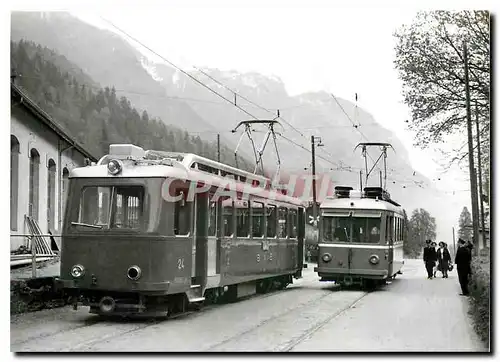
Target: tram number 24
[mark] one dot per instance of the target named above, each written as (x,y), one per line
(264,257)
(180,263)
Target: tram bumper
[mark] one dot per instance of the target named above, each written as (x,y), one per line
(334,273)
(134,287)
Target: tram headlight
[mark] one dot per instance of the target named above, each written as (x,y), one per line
(374,259)
(77,271)
(134,272)
(327,257)
(114,167)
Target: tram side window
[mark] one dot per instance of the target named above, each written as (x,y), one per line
(398,229)
(212,217)
(336,228)
(227,218)
(258,219)
(271,221)
(182,214)
(293,224)
(389,228)
(282,222)
(243,221)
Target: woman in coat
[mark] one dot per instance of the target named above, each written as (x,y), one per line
(443,258)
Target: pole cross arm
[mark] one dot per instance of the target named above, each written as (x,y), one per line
(260,121)
(381,144)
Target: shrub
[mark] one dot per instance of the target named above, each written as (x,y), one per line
(34,294)
(479,287)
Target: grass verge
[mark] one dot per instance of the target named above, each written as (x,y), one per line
(479,288)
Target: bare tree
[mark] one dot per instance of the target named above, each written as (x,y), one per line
(431,65)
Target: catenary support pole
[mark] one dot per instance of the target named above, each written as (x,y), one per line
(472,173)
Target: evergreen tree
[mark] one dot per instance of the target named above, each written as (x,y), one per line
(464,225)
(97,117)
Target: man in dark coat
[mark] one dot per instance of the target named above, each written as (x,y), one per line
(443,258)
(462,260)
(430,258)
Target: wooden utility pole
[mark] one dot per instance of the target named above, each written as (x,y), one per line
(218,147)
(483,234)
(472,173)
(315,211)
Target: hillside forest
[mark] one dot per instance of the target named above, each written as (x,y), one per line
(95,116)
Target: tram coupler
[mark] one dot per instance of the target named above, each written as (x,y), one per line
(348,281)
(74,301)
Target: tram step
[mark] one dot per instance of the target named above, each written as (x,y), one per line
(196,300)
(195,294)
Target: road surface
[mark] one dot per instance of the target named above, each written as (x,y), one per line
(410,314)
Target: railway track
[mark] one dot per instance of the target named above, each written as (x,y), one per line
(113,323)
(288,324)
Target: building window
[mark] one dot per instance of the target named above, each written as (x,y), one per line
(34,183)
(271,221)
(51,195)
(14,181)
(64,191)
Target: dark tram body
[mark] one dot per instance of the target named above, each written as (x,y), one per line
(153,233)
(361,238)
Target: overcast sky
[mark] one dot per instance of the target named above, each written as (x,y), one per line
(311,45)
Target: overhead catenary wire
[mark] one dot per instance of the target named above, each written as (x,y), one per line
(178,68)
(204,85)
(207,87)
(228,101)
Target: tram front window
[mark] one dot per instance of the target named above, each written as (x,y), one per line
(110,207)
(364,229)
(336,229)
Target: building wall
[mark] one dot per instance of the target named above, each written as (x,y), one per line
(32,133)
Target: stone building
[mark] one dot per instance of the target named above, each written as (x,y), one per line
(42,155)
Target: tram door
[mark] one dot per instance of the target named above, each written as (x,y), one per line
(200,239)
(213,241)
(390,239)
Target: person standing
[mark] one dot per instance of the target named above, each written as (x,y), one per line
(434,258)
(429,258)
(443,258)
(463,260)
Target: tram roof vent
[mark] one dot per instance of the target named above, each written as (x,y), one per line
(342,192)
(126,151)
(374,192)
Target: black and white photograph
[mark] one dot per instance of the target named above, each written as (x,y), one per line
(250,176)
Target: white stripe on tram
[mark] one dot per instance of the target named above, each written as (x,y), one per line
(356,246)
